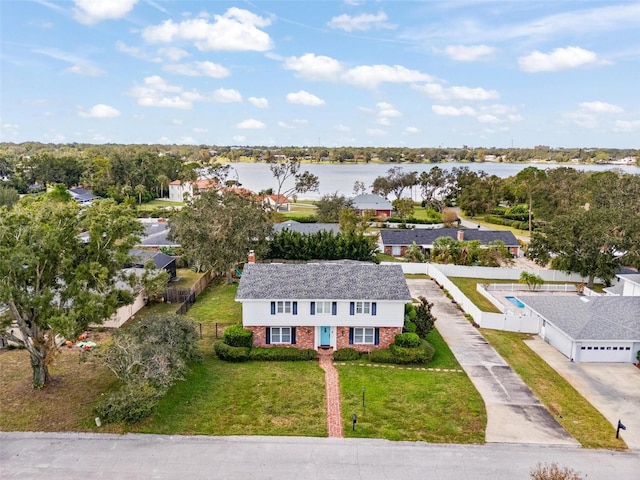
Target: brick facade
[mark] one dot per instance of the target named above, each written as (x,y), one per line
(304,337)
(387,336)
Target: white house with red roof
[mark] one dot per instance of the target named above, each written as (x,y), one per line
(180,191)
(279,202)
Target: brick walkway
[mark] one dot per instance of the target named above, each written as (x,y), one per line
(332,394)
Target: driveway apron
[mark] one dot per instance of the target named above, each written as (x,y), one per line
(514,414)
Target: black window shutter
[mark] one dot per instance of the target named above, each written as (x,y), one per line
(273,308)
(351,336)
(268,336)
(313,308)
(295,308)
(374,308)
(293,335)
(334,308)
(376,338)
(352,308)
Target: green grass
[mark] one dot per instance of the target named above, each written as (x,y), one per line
(156,204)
(578,416)
(421,213)
(493,226)
(413,405)
(253,398)
(216,304)
(383,257)
(468,287)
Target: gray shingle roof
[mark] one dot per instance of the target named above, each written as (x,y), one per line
(140,257)
(330,281)
(294,226)
(368,201)
(590,318)
(426,236)
(155,235)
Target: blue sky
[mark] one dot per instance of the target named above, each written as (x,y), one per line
(331,73)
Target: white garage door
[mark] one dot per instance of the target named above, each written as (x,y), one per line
(605,353)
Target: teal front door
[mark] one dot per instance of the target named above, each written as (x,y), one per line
(325,335)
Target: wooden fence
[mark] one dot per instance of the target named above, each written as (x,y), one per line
(188,296)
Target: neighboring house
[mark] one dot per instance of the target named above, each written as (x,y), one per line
(294,226)
(155,234)
(125,312)
(83,196)
(588,329)
(627,285)
(395,242)
(161,261)
(369,202)
(282,202)
(323,305)
(180,191)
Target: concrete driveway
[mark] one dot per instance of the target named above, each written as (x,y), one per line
(514,414)
(612,388)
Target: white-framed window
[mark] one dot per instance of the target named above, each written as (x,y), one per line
(323,308)
(365,335)
(280,334)
(284,307)
(363,308)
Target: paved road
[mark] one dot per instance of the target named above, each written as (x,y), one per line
(77,456)
(514,414)
(612,388)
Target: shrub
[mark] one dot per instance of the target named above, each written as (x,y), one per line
(282,353)
(409,340)
(421,354)
(236,336)
(231,354)
(346,354)
(130,404)
(409,326)
(553,472)
(382,356)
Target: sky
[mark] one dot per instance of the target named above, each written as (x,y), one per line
(321,73)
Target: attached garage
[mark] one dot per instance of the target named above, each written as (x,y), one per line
(589,329)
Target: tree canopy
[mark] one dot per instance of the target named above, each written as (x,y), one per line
(57,282)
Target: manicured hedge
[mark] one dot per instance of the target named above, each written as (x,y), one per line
(346,354)
(402,355)
(282,353)
(236,336)
(382,356)
(231,354)
(407,340)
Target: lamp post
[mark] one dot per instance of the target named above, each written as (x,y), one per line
(363,397)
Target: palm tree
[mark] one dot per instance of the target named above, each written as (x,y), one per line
(140,190)
(163,180)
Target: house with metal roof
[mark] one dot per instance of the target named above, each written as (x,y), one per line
(306,228)
(396,241)
(588,329)
(323,305)
(368,202)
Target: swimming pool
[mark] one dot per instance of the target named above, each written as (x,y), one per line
(515,301)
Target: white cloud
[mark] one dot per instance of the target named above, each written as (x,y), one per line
(200,130)
(600,107)
(487,118)
(226,95)
(439,92)
(376,132)
(198,69)
(89,70)
(136,52)
(92,11)
(362,22)
(285,125)
(100,111)
(235,30)
(385,112)
(304,98)
(177,121)
(411,130)
(370,76)
(174,54)
(342,128)
(450,111)
(469,53)
(259,102)
(187,141)
(314,67)
(156,92)
(558,59)
(627,126)
(251,124)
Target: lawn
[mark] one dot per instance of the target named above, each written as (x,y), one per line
(216,304)
(253,398)
(159,204)
(413,404)
(571,409)
(493,226)
(468,287)
(421,213)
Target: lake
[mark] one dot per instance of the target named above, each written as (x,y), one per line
(341,177)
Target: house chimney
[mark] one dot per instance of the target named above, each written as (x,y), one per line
(460,235)
(252,256)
